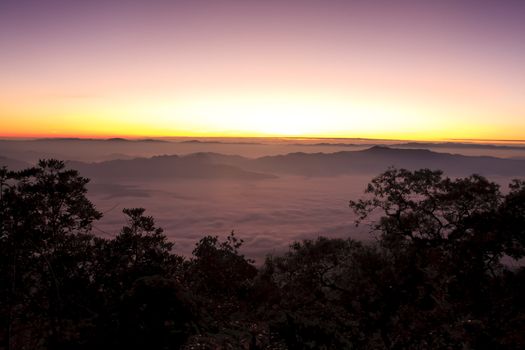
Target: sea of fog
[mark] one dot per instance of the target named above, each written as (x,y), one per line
(268,214)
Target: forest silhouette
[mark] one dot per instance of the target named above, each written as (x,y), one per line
(438,277)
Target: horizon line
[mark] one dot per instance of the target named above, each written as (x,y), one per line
(146,137)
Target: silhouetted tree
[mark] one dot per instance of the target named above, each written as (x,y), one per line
(218,267)
(42,208)
(138,260)
(451,234)
(155,313)
(434,279)
(220,277)
(140,249)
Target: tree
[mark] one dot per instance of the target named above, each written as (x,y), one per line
(155,313)
(218,267)
(140,249)
(429,210)
(219,277)
(433,280)
(41,209)
(449,235)
(512,221)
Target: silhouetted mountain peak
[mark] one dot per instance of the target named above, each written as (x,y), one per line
(380,149)
(117,139)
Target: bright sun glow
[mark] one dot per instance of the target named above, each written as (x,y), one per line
(261,69)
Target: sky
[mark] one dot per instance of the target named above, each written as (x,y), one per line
(423,70)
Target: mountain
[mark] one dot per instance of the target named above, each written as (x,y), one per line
(210,142)
(370,161)
(194,166)
(422,145)
(77,139)
(460,145)
(13,164)
(375,160)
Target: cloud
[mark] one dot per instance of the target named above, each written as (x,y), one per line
(268,216)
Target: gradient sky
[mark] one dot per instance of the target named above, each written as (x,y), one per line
(385,69)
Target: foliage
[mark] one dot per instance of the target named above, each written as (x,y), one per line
(435,278)
(219,267)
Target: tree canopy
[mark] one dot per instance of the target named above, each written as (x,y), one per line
(435,278)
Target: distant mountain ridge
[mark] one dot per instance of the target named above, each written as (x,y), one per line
(422,145)
(13,164)
(209,165)
(372,161)
(113,139)
(377,158)
(165,167)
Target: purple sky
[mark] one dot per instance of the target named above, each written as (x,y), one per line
(426,69)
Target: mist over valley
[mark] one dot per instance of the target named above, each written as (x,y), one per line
(271,192)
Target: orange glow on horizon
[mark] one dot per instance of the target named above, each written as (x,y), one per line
(295,115)
(419,71)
